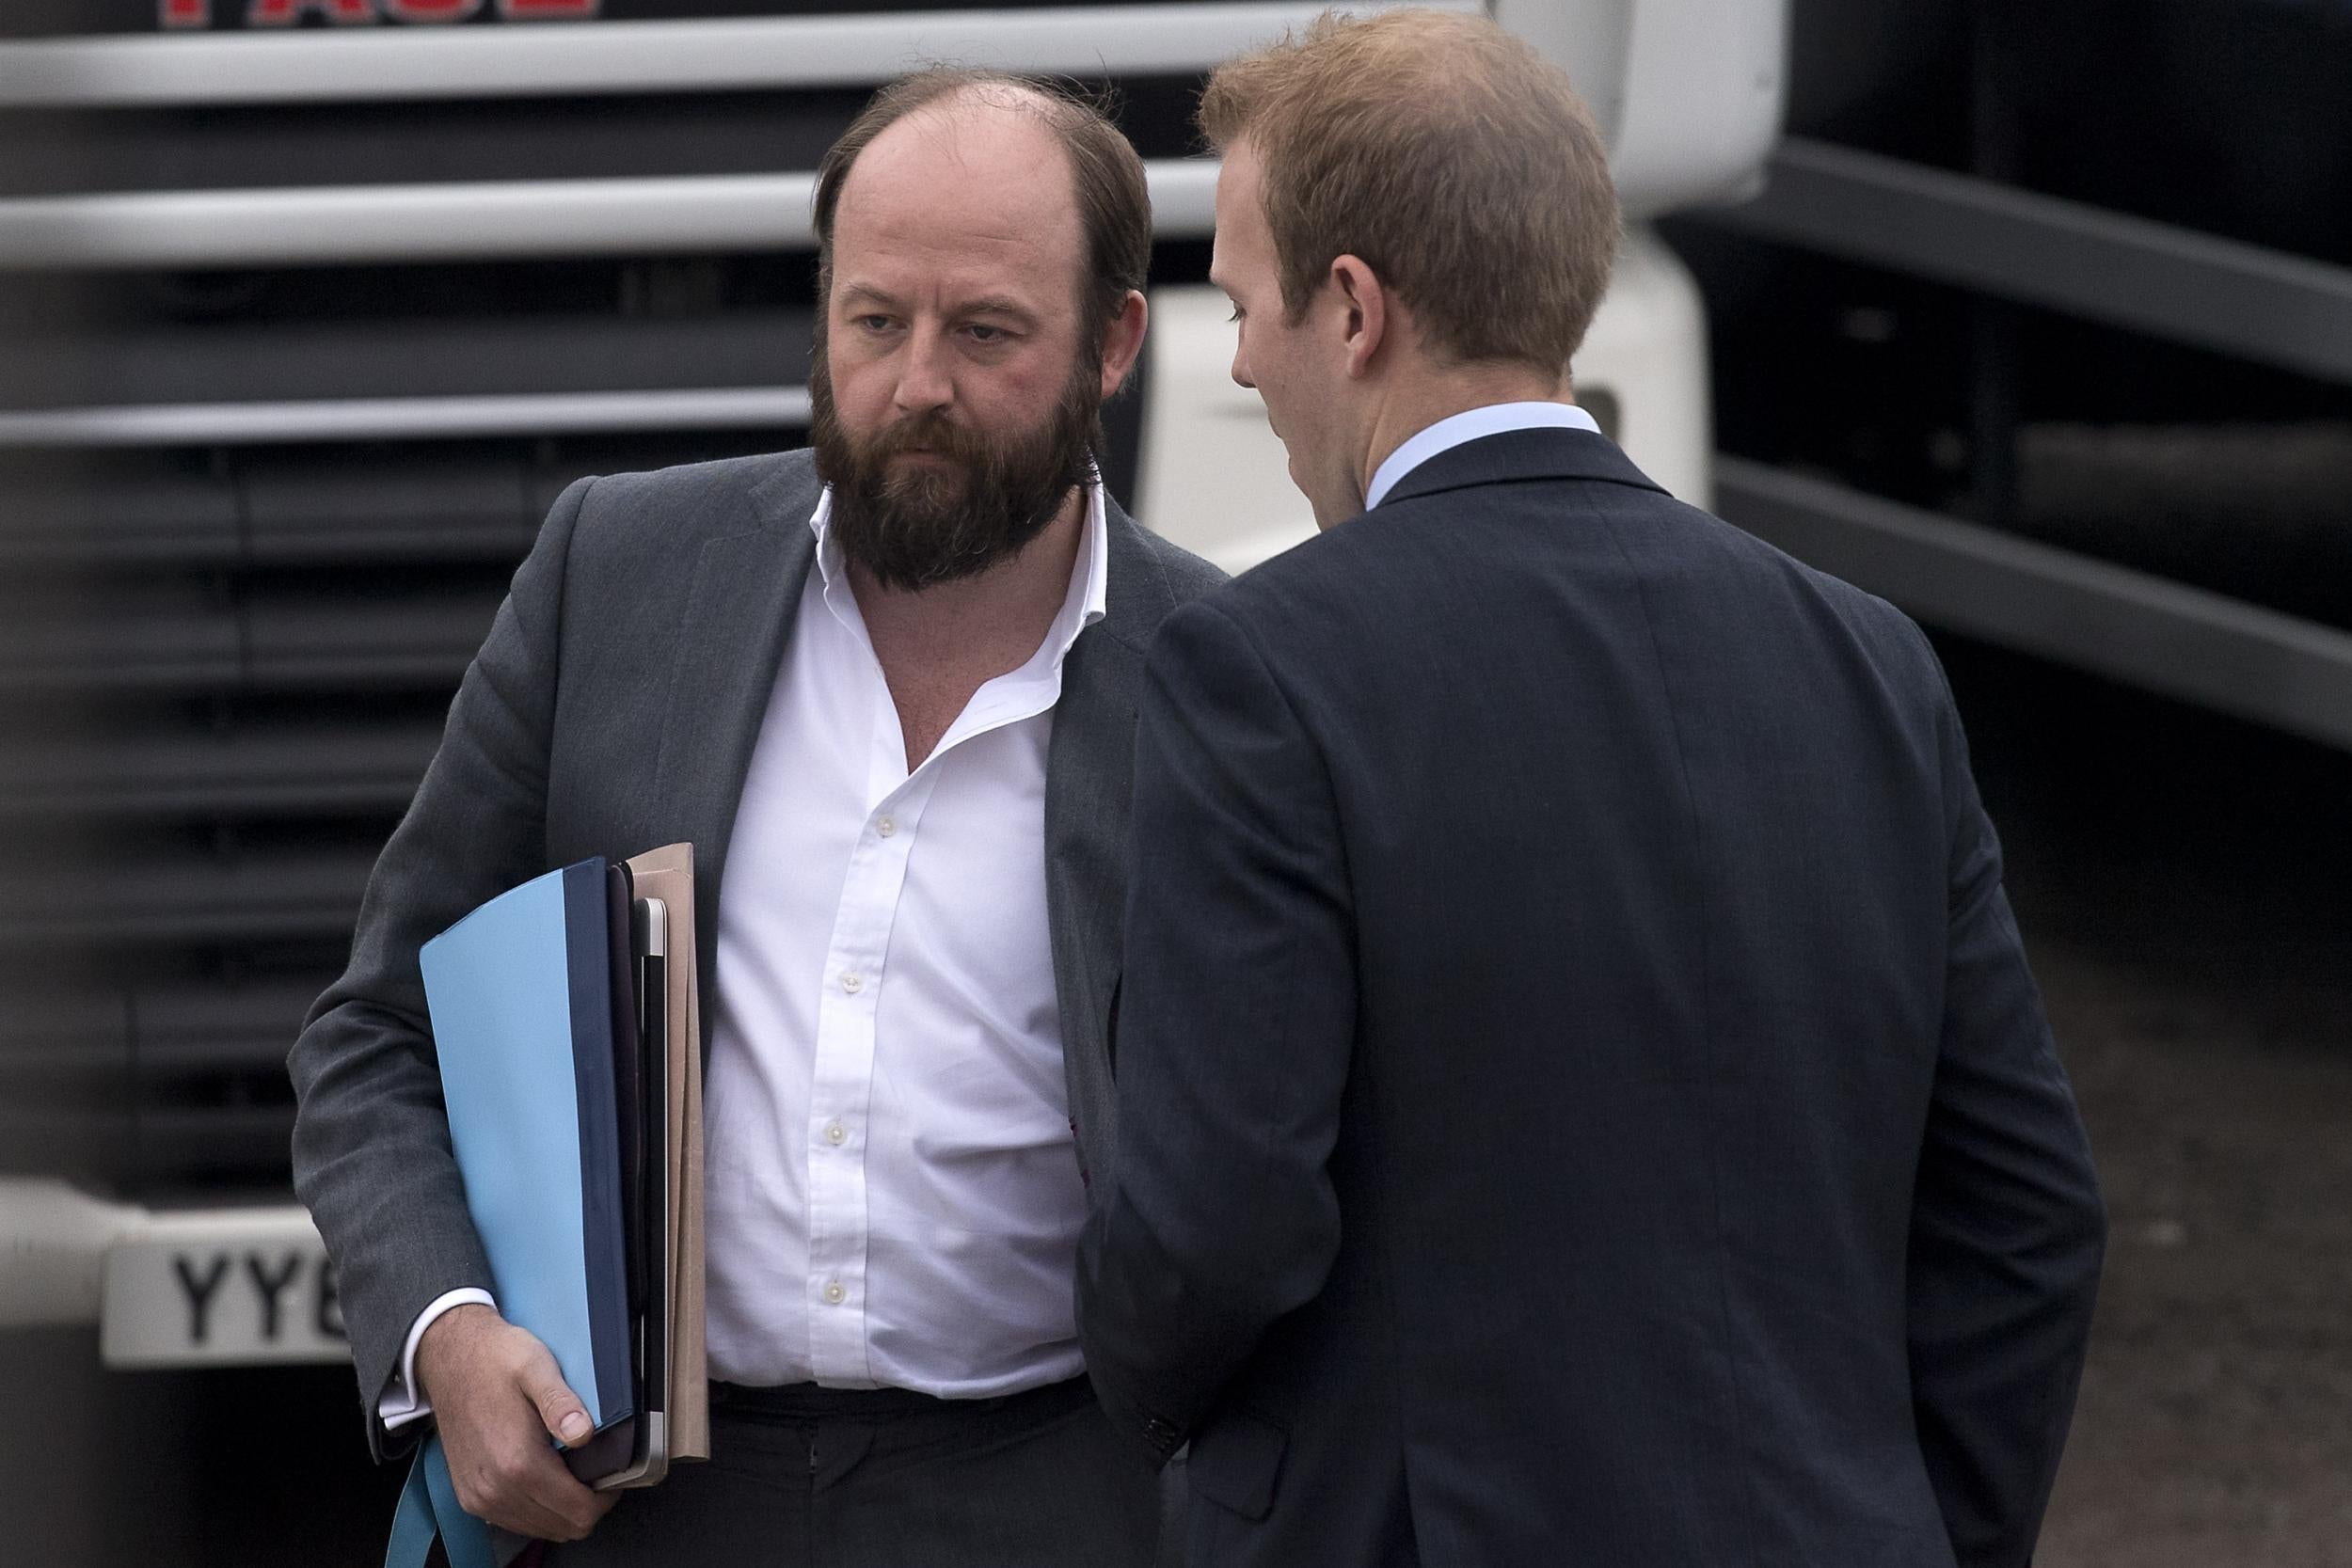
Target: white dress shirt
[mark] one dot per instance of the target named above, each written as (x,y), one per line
(892,1189)
(1471,425)
(892,1186)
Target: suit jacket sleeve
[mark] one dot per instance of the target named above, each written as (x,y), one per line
(371,1144)
(2007,1224)
(1235,1027)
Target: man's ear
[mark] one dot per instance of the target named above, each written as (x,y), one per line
(1122,342)
(1368,319)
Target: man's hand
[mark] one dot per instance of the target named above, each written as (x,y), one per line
(497,1397)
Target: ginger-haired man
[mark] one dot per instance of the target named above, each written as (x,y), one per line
(1583,1100)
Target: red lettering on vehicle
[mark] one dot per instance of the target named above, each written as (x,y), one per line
(285,13)
(531,10)
(430,10)
(187,14)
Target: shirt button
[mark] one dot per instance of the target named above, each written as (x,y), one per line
(836,1133)
(834,1292)
(852,982)
(885,827)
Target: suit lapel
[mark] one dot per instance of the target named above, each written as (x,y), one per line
(745,597)
(1089,771)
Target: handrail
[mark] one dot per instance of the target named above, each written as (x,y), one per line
(468,220)
(2262,304)
(2167,637)
(716,56)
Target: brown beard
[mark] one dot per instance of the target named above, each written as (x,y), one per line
(915,526)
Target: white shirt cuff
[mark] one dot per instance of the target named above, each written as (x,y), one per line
(402,1401)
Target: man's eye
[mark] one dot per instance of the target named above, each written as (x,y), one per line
(874,323)
(1236,315)
(982,333)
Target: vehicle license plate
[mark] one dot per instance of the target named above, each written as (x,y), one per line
(221,1288)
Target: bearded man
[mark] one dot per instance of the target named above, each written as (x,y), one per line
(886,688)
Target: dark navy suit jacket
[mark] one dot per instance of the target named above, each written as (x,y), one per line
(1582,1097)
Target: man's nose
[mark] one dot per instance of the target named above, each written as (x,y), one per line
(924,381)
(1241,369)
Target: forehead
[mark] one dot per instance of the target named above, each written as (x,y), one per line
(1243,242)
(966,194)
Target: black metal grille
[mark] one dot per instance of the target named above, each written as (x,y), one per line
(224,659)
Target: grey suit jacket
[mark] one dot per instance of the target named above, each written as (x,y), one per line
(613,708)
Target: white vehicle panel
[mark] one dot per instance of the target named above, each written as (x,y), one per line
(1215,477)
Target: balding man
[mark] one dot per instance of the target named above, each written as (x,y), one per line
(885,688)
(1583,1100)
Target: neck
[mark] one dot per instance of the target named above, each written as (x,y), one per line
(1412,405)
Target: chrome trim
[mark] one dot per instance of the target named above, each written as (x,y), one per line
(201,424)
(729,55)
(472,220)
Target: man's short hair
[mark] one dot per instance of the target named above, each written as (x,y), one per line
(1114,203)
(1445,155)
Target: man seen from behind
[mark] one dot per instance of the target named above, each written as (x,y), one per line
(1582,1097)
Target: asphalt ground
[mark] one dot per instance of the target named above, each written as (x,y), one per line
(2184,883)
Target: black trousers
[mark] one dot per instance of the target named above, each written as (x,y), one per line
(803,1477)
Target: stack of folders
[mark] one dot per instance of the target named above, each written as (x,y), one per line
(564,1017)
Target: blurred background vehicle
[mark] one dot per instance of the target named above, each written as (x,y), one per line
(335,313)
(2037,320)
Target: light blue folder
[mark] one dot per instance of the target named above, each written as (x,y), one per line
(520,995)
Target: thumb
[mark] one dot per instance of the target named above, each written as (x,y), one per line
(560,1410)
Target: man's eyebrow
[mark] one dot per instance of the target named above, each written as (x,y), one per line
(998,305)
(867,294)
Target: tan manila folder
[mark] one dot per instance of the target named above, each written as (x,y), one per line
(668,874)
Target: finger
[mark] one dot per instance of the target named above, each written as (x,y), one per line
(549,1482)
(512,1506)
(527,1517)
(599,1504)
(560,1410)
(574,1507)
(538,1497)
